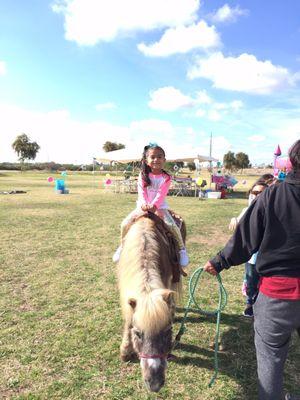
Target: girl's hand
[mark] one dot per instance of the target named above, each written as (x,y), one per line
(144,207)
(152,208)
(149,207)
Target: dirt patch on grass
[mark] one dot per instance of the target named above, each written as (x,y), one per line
(210,238)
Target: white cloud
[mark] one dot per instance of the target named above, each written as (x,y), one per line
(256,138)
(203,97)
(200,113)
(169,98)
(105,106)
(234,105)
(182,39)
(88,22)
(153,128)
(65,139)
(2,68)
(243,73)
(60,137)
(214,115)
(228,14)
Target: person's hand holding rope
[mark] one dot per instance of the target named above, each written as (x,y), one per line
(208,267)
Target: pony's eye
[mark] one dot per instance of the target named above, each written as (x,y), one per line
(138,333)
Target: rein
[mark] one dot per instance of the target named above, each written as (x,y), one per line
(193,283)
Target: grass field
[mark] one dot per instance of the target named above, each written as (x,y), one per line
(59,308)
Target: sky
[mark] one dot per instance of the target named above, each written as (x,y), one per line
(77,73)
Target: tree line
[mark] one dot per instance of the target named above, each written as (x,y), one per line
(27,150)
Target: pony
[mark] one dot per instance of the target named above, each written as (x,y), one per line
(149,279)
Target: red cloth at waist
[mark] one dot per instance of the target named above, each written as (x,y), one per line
(280,287)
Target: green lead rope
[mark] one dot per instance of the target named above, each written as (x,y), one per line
(193,283)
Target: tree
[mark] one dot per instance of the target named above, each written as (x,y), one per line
(229,161)
(242,160)
(111,146)
(25,149)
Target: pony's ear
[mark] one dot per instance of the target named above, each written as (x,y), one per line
(168,296)
(132,303)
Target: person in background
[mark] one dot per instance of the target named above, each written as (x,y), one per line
(251,277)
(272,225)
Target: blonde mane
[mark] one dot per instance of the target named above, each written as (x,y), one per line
(140,278)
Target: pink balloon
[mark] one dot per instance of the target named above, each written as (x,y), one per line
(108,181)
(50,179)
(283,162)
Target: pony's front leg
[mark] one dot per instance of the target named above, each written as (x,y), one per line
(126,349)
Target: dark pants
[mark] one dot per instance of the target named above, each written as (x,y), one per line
(251,279)
(274,322)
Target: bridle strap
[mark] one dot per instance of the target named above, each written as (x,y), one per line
(147,356)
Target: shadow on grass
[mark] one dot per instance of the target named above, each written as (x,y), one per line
(237,358)
(236,355)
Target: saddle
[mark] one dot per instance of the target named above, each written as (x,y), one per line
(168,237)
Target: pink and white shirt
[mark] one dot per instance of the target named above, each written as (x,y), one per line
(156,192)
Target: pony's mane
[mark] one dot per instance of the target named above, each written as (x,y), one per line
(152,312)
(140,278)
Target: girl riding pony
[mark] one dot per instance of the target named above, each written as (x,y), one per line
(153,186)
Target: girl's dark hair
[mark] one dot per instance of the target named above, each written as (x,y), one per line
(145,169)
(260,182)
(294,154)
(267,179)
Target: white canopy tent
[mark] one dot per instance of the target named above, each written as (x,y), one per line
(125,156)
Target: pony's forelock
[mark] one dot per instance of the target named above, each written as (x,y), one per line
(152,313)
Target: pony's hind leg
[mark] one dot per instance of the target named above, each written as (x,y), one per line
(127,352)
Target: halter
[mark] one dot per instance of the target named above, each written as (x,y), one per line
(147,356)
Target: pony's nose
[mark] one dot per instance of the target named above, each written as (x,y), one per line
(154,385)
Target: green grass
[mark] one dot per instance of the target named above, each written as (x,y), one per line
(59,308)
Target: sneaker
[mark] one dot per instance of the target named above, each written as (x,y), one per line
(116,256)
(183,258)
(248,312)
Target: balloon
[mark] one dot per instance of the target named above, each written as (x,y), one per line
(50,179)
(64,173)
(244,182)
(108,182)
(199,181)
(107,175)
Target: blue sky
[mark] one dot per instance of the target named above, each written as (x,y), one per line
(76,73)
